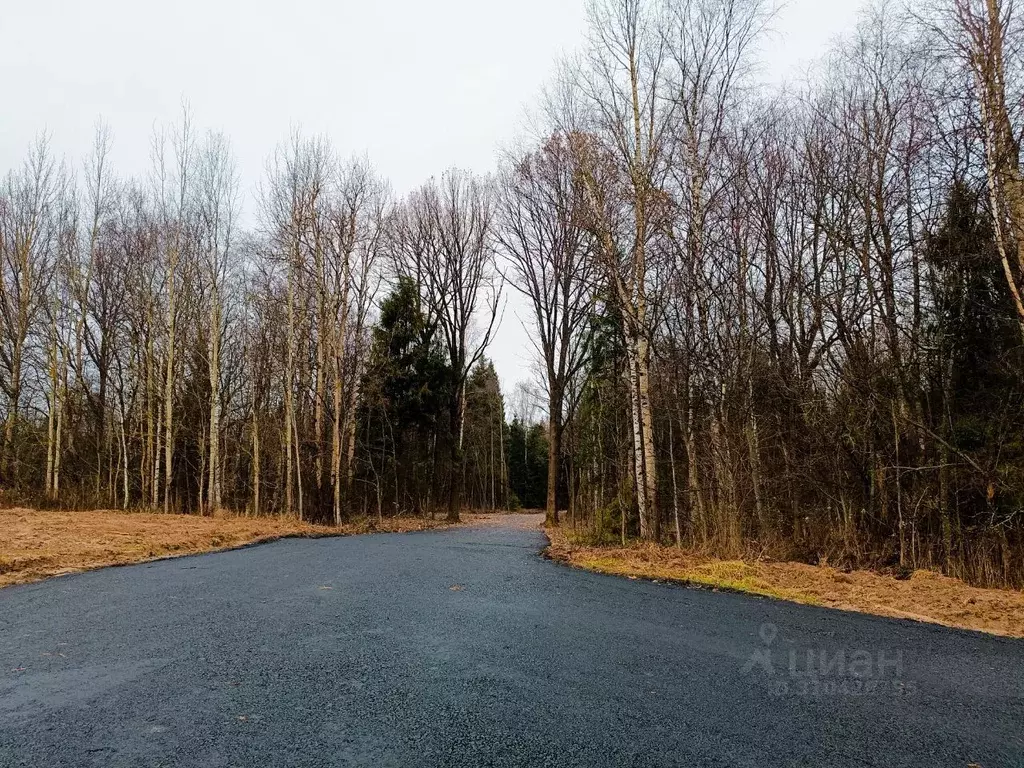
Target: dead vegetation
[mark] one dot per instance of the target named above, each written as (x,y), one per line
(924,596)
(38,544)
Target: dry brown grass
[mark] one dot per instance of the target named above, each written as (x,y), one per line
(37,544)
(925,596)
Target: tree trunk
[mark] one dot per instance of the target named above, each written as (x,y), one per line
(169,385)
(51,418)
(214,491)
(336,479)
(675,486)
(458,416)
(255,463)
(639,482)
(650,488)
(289,380)
(554,456)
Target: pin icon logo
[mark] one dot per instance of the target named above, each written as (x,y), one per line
(762,657)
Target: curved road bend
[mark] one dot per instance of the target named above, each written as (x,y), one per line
(464,648)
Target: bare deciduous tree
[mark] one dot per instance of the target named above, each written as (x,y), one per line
(445,242)
(552,264)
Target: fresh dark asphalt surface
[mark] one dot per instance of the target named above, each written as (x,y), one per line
(464,648)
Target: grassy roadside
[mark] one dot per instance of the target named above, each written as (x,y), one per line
(38,544)
(925,596)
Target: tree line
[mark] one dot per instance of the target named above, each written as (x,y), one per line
(327,362)
(781,322)
(785,323)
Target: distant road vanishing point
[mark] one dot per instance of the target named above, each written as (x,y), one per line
(463,647)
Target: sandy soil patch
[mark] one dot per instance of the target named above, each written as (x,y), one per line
(925,596)
(37,544)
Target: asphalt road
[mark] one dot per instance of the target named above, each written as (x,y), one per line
(464,648)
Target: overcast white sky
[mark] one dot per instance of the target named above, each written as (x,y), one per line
(418,86)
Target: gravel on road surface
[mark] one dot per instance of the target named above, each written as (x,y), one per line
(463,647)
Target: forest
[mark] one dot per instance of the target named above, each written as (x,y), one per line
(771,321)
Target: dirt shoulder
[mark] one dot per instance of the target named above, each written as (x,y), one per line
(38,544)
(925,596)
(529,521)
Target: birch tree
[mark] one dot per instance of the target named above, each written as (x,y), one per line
(27,242)
(630,123)
(987,37)
(217,211)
